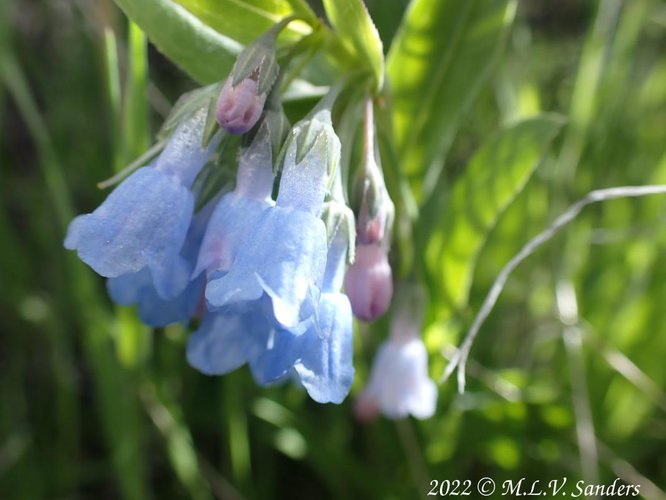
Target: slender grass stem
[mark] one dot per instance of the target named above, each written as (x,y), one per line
(459,359)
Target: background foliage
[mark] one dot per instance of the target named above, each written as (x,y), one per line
(567,377)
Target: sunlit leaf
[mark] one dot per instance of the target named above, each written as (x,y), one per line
(493,177)
(352,22)
(204,36)
(437,63)
(244,20)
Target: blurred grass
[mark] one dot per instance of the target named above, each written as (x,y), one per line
(96,406)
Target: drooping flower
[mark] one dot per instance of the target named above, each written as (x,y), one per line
(284,257)
(139,288)
(369,282)
(399,384)
(317,353)
(144,221)
(237,213)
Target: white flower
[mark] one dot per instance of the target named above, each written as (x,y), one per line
(399,384)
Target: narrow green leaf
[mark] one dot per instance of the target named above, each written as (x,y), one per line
(437,63)
(135,111)
(351,20)
(204,36)
(493,178)
(245,20)
(113,91)
(203,53)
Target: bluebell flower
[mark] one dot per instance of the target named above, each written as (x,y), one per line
(399,384)
(317,352)
(237,212)
(229,338)
(144,221)
(284,256)
(139,288)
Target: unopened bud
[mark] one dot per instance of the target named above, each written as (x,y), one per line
(252,77)
(370,199)
(369,282)
(374,222)
(239,107)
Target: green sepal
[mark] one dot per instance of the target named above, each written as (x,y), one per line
(187,105)
(259,60)
(219,173)
(211,126)
(338,217)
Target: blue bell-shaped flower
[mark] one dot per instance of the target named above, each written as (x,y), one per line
(228,338)
(319,352)
(144,221)
(237,213)
(138,288)
(284,257)
(316,353)
(399,384)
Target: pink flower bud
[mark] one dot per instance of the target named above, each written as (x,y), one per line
(371,229)
(368,283)
(239,108)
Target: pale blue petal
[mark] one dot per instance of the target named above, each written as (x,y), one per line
(325,367)
(285,257)
(226,340)
(183,156)
(142,223)
(281,352)
(233,218)
(146,288)
(336,263)
(170,276)
(138,288)
(319,358)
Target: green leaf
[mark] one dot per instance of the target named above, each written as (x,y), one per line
(437,64)
(245,20)
(352,22)
(204,37)
(492,179)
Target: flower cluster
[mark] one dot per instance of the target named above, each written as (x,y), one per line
(269,274)
(258,265)
(274,281)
